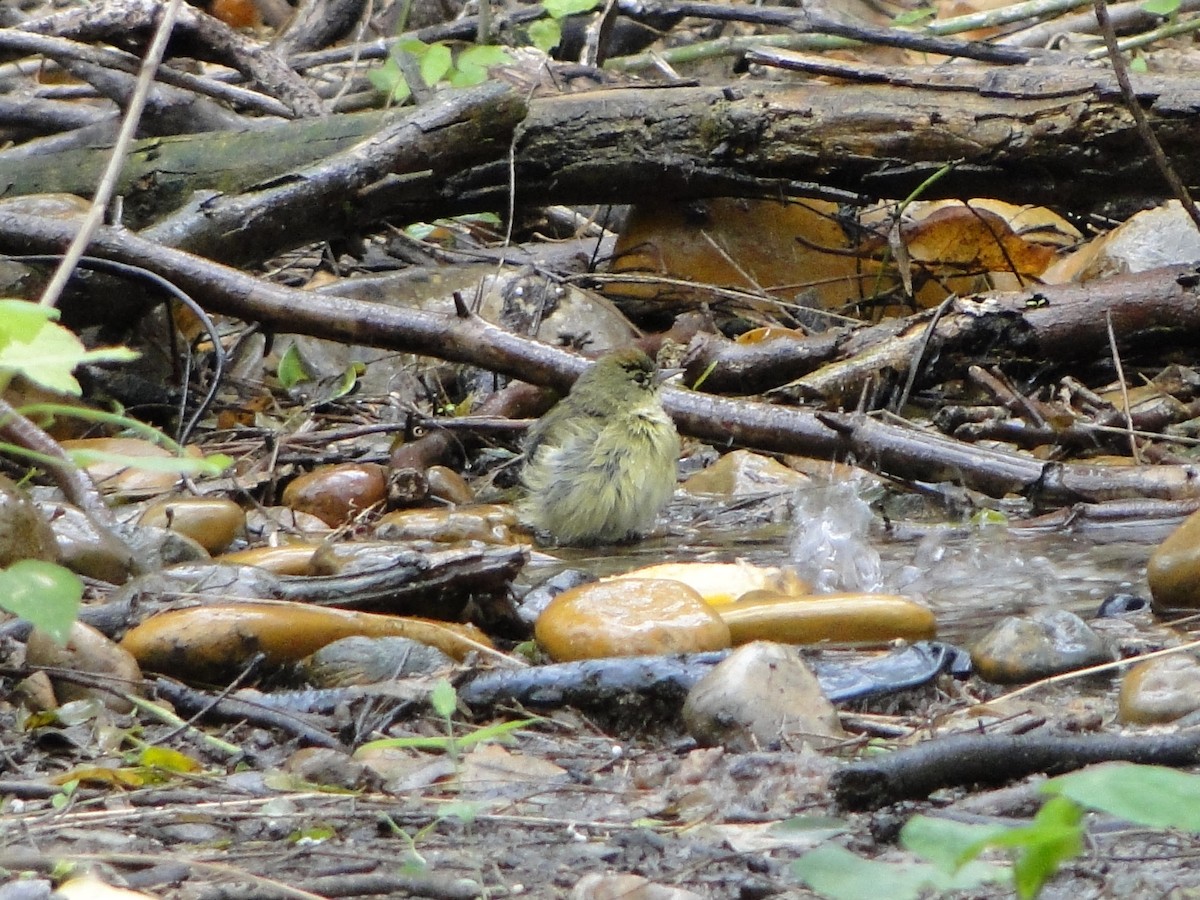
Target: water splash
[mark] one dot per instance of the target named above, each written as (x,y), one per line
(831,548)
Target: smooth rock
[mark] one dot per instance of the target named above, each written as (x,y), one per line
(446,484)
(490,523)
(366,660)
(1160,690)
(87,650)
(24,531)
(1174,568)
(630,617)
(1043,643)
(328,767)
(720,583)
(335,494)
(534,603)
(286,559)
(741,472)
(86,550)
(213,522)
(762,696)
(845,618)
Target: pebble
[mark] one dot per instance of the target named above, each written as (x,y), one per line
(24,531)
(1043,643)
(335,494)
(490,523)
(117,477)
(720,583)
(367,660)
(1174,568)
(211,522)
(762,696)
(629,617)
(87,650)
(1160,690)
(743,473)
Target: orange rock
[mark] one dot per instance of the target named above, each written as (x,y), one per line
(334,494)
(629,617)
(848,618)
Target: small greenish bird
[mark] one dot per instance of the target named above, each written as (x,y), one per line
(601,465)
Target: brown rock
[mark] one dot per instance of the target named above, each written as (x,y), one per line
(334,494)
(742,472)
(213,523)
(1043,643)
(1160,690)
(1174,568)
(87,650)
(448,485)
(489,523)
(631,617)
(24,531)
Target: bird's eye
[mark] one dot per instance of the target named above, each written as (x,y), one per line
(642,378)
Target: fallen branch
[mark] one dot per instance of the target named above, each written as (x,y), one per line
(901,451)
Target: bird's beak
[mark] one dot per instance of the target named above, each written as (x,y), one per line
(665,375)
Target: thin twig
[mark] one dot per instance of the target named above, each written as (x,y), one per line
(1116,358)
(116,160)
(1121,70)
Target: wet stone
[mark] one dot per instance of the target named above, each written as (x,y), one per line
(213,523)
(742,473)
(87,650)
(366,660)
(762,696)
(633,617)
(24,531)
(335,494)
(446,484)
(535,601)
(1160,690)
(1174,568)
(489,523)
(1043,643)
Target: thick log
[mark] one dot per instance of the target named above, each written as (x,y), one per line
(1028,135)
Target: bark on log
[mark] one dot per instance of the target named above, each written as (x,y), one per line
(1048,136)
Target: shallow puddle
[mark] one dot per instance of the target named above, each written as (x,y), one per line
(970,577)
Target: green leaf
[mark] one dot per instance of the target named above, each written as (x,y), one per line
(444,699)
(291,369)
(838,874)
(472,64)
(495,732)
(436,63)
(545,34)
(484,55)
(1153,796)
(21,320)
(43,594)
(945,843)
(915,16)
(559,9)
(1161,7)
(414,46)
(43,351)
(386,78)
(348,381)
(211,465)
(463,810)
